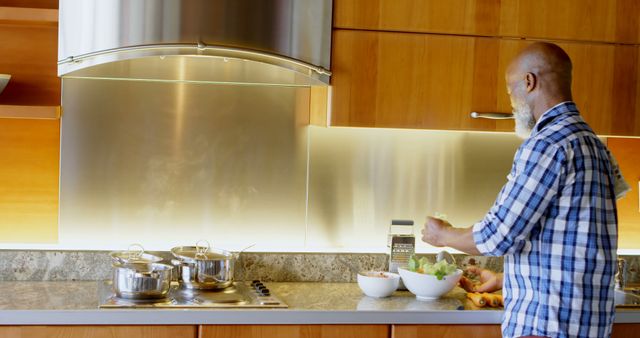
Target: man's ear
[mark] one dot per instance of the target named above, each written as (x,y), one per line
(532,82)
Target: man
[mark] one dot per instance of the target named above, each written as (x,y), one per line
(554,221)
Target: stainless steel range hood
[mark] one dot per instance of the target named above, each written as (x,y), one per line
(263,42)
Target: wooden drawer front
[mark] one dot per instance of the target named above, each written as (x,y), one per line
(446,331)
(98,331)
(294,331)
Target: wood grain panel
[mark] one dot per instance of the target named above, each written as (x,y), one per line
(446,331)
(584,20)
(52,4)
(29,54)
(474,17)
(625,330)
(99,331)
(29,112)
(29,16)
(624,116)
(627,153)
(604,83)
(294,331)
(354,65)
(29,166)
(403,80)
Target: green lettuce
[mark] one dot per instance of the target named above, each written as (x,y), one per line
(439,269)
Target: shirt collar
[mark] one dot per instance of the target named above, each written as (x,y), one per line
(553,112)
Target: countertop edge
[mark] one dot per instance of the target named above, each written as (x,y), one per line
(265,317)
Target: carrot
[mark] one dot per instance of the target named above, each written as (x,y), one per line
(492,299)
(477,299)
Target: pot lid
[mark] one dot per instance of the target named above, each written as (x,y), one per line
(134,254)
(200,252)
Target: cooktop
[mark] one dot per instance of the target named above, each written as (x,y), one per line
(240,295)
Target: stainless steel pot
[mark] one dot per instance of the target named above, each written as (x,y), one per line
(142,280)
(202,268)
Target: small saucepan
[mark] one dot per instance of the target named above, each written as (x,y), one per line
(203,268)
(142,280)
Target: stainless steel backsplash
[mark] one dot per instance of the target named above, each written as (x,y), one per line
(360,179)
(167,164)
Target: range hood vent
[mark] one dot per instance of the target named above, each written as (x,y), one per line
(266,42)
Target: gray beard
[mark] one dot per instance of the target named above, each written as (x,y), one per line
(525,122)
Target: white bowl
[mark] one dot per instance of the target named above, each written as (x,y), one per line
(428,287)
(378,286)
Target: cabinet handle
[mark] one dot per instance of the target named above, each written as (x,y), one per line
(492,116)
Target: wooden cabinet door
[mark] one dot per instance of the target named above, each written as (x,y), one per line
(579,20)
(470,17)
(625,330)
(406,80)
(98,331)
(605,83)
(446,331)
(294,331)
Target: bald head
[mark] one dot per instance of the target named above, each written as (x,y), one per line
(540,77)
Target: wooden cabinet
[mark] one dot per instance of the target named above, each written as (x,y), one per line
(625,330)
(408,80)
(428,64)
(131,331)
(481,331)
(294,331)
(51,4)
(469,17)
(446,331)
(583,20)
(272,331)
(578,20)
(383,79)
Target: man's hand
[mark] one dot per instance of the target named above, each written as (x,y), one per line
(435,231)
(489,280)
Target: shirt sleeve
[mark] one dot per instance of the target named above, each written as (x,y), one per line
(531,186)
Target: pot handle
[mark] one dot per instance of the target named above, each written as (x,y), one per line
(237,254)
(135,251)
(201,251)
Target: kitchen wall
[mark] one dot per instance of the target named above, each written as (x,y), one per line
(362,178)
(168,163)
(256,190)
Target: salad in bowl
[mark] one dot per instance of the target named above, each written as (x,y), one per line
(429,280)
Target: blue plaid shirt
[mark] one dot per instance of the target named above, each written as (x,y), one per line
(555,223)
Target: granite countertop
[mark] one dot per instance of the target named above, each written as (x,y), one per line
(75,302)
